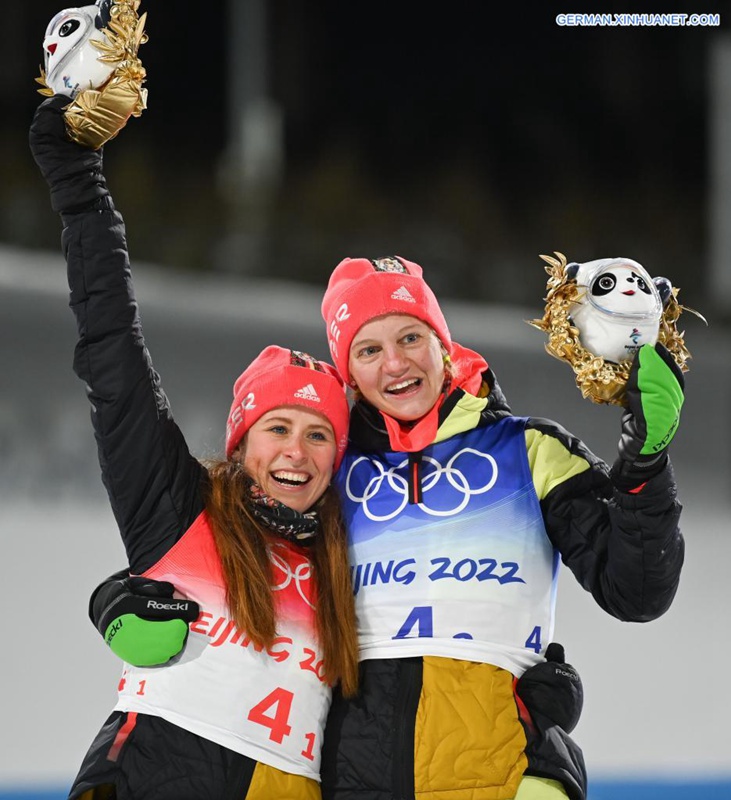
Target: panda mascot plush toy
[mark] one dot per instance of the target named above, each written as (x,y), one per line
(620,307)
(71,60)
(90,55)
(599,313)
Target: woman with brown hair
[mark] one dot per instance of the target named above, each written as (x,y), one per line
(255,540)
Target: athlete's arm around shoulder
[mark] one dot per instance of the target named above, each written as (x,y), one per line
(625,547)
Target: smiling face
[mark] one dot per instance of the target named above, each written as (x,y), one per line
(290,452)
(397,363)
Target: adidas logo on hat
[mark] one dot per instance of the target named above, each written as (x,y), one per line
(308,393)
(403,294)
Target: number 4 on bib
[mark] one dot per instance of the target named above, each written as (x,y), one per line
(533,642)
(421,619)
(281,701)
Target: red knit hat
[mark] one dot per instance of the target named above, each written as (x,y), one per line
(279,377)
(360,289)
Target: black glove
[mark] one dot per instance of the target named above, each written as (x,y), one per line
(73,172)
(140,620)
(552,691)
(655,394)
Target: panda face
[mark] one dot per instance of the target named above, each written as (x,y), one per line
(64,33)
(606,282)
(71,62)
(622,289)
(619,309)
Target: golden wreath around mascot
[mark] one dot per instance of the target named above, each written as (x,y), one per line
(599,313)
(91,55)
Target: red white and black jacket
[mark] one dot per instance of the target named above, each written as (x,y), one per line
(156,490)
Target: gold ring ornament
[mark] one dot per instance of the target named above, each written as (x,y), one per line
(90,54)
(599,313)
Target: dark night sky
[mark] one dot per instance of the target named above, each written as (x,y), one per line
(470,137)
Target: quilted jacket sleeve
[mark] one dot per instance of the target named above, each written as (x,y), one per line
(150,476)
(624,548)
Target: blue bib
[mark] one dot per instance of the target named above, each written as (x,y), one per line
(469,571)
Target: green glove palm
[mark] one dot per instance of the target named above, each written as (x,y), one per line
(146,643)
(140,619)
(655,395)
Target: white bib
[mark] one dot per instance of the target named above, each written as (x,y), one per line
(269,705)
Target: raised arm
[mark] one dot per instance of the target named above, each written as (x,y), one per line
(150,476)
(618,531)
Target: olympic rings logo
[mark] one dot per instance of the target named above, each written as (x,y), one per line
(300,576)
(397,484)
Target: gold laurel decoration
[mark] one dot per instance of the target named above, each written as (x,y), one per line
(97,115)
(599,380)
(46,91)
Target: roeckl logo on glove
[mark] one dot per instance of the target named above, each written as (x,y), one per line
(572,675)
(115,628)
(177,606)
